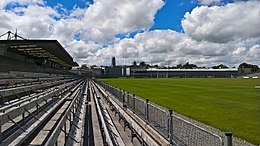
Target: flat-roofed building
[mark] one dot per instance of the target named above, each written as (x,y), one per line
(184,73)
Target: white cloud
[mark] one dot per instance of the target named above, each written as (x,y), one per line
(106,18)
(239,51)
(3,3)
(222,24)
(83,52)
(207,2)
(215,35)
(99,23)
(254,51)
(29,25)
(166,46)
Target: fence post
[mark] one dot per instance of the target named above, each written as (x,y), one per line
(133,103)
(229,138)
(124,102)
(127,99)
(118,93)
(170,126)
(146,111)
(0,132)
(122,96)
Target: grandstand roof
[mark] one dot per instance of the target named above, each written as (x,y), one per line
(50,49)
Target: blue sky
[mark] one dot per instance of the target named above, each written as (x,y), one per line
(170,16)
(202,32)
(69,4)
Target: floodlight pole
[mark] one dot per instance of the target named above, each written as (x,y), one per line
(11,35)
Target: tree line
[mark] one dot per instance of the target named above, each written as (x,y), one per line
(188,65)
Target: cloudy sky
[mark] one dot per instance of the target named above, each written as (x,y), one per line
(202,32)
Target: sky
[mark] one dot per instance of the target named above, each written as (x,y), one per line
(163,32)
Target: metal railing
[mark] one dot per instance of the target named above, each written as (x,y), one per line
(71,114)
(187,133)
(172,127)
(38,109)
(5,93)
(111,134)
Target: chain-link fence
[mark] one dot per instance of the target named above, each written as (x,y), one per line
(158,118)
(187,133)
(139,107)
(174,128)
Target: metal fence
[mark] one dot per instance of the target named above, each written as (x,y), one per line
(187,133)
(174,128)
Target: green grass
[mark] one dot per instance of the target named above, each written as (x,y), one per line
(227,104)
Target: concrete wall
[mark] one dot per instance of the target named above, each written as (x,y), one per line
(113,72)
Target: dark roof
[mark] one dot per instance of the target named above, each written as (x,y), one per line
(50,49)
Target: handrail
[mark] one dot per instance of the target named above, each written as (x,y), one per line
(108,139)
(111,133)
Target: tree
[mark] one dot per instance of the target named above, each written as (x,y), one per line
(93,66)
(246,65)
(134,63)
(189,66)
(113,61)
(156,66)
(142,64)
(84,66)
(179,66)
(221,66)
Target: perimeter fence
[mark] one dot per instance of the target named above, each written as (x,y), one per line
(177,130)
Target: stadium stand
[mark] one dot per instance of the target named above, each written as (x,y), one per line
(34,56)
(253,75)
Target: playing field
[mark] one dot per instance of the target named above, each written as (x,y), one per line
(227,104)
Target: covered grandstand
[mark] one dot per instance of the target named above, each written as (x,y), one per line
(185,73)
(137,72)
(34,56)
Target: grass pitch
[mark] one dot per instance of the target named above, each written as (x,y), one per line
(227,104)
